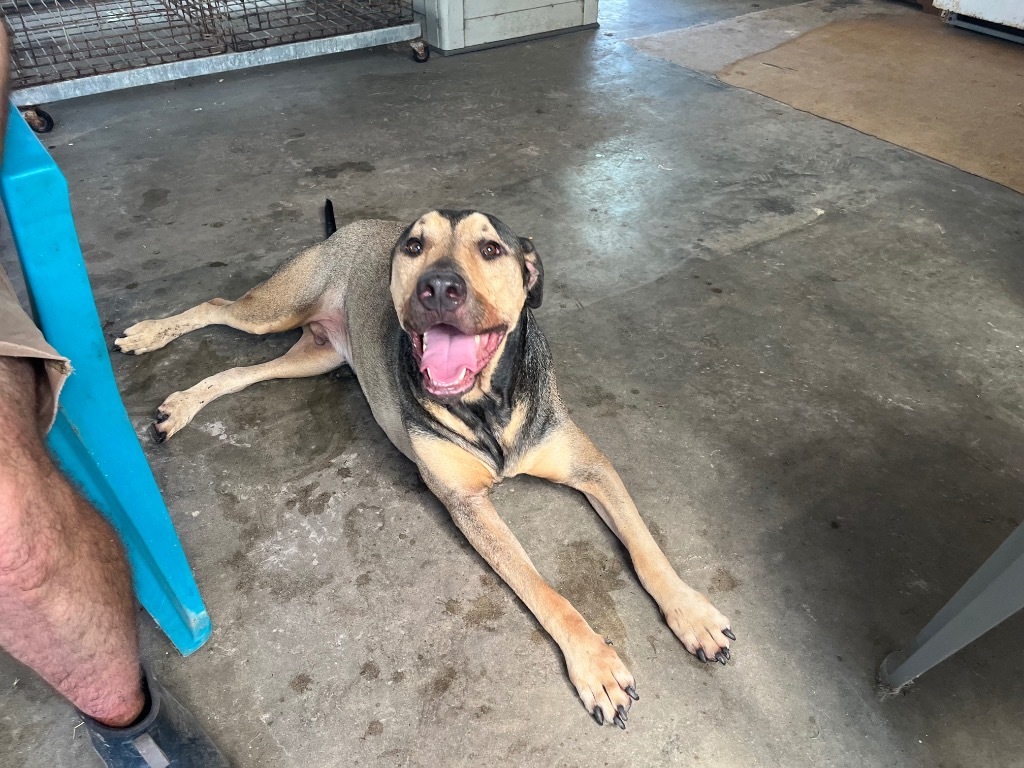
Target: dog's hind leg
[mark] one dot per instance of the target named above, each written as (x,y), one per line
(307,357)
(286,300)
(148,335)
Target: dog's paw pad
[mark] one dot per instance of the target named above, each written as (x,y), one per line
(173,414)
(700,627)
(144,337)
(602,681)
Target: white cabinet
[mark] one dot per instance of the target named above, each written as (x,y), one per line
(1007,12)
(456,26)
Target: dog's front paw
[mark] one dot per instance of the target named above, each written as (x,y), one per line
(698,624)
(174,413)
(144,337)
(602,680)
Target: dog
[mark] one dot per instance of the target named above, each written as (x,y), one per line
(435,318)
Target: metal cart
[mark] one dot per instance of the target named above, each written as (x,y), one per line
(62,49)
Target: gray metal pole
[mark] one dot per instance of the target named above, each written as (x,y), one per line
(995,592)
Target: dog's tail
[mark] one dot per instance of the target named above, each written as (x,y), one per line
(330,223)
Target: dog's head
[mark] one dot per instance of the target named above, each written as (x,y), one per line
(459,281)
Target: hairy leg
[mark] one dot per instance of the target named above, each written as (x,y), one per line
(66,606)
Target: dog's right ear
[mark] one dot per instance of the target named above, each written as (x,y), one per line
(534,274)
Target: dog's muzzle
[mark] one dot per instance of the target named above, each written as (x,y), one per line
(450,360)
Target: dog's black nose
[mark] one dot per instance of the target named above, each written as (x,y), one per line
(439,291)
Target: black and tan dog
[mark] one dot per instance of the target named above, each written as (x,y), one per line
(459,376)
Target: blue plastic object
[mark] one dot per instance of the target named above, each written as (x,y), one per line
(92,439)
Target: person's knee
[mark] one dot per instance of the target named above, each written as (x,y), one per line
(19,396)
(31,528)
(31,535)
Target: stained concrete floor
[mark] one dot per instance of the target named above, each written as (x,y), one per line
(800,345)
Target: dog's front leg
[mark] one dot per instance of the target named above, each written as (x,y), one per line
(567,456)
(462,484)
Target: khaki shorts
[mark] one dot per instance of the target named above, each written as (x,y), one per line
(19,337)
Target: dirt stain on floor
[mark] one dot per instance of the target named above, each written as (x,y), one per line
(301,683)
(369,671)
(723,581)
(485,610)
(154,198)
(280,584)
(359,521)
(306,504)
(334,171)
(587,577)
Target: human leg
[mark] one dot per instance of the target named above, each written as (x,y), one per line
(65,587)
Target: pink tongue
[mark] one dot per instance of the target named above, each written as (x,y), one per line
(447,353)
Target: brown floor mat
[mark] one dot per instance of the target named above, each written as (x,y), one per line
(950,94)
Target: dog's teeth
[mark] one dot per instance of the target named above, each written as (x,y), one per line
(478,339)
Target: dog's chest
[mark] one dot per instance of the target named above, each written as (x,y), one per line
(489,427)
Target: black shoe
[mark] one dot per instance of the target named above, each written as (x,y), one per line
(164,736)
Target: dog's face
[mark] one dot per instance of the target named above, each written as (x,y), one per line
(459,281)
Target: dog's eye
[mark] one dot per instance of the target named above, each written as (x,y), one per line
(413,246)
(491,250)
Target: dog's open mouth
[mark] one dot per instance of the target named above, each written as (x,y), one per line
(450,359)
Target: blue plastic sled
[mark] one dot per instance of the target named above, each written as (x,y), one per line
(92,439)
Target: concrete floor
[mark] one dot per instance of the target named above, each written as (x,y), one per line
(818,414)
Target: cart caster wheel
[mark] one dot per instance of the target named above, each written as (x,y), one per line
(420,51)
(38,120)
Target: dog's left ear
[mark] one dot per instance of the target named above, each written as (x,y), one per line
(533,275)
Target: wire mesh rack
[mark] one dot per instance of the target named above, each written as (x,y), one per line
(59,40)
